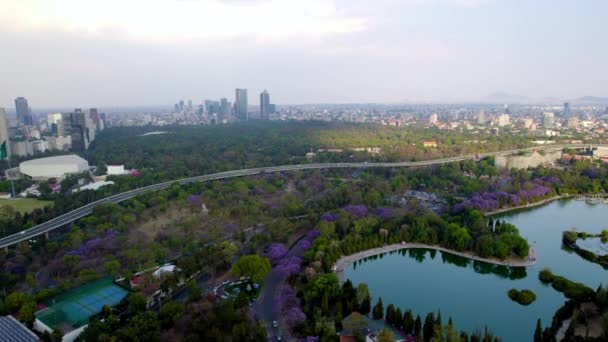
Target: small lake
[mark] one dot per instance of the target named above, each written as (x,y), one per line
(474,294)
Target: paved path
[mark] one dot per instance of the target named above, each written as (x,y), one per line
(87,209)
(346,261)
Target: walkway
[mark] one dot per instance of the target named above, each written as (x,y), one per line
(346,261)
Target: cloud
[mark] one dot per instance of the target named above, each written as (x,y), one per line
(207,20)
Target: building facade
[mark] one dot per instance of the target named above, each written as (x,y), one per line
(240,104)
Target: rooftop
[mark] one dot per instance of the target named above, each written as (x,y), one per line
(12,330)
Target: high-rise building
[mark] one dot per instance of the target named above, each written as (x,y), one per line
(481,117)
(507,109)
(567,110)
(4,136)
(548,118)
(79,130)
(433,119)
(24,114)
(225,108)
(181,105)
(504,120)
(240,104)
(572,122)
(189,104)
(94,115)
(264,105)
(528,123)
(212,107)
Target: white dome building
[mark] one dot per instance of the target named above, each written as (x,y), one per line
(53,167)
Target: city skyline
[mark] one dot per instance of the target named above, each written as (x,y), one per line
(317,51)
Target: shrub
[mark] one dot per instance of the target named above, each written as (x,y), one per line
(523,297)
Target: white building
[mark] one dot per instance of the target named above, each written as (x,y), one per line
(504,120)
(53,167)
(115,170)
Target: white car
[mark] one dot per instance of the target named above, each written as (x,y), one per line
(275,324)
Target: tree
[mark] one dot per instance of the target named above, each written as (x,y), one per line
(428,330)
(26,313)
(355,323)
(418,326)
(194,291)
(143,327)
(365,306)
(538,333)
(137,302)
(362,293)
(253,266)
(408,322)
(169,313)
(390,314)
(112,267)
(386,336)
(378,312)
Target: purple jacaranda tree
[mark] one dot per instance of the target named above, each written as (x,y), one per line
(276,252)
(310,339)
(312,235)
(356,210)
(329,217)
(383,212)
(303,245)
(289,266)
(294,316)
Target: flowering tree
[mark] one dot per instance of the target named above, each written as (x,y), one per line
(329,217)
(383,212)
(289,266)
(356,210)
(276,252)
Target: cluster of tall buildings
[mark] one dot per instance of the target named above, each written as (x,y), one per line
(60,131)
(223,111)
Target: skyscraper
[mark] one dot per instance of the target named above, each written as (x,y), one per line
(225,108)
(240,104)
(4,137)
(79,131)
(567,110)
(24,115)
(481,117)
(94,114)
(548,119)
(264,105)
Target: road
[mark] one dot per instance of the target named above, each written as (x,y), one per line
(85,210)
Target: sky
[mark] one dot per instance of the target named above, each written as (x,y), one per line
(74,53)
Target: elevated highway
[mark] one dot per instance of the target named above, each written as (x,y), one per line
(87,209)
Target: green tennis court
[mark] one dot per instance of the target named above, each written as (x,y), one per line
(73,309)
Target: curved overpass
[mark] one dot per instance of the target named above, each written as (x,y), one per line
(87,209)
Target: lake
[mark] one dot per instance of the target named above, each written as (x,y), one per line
(474,294)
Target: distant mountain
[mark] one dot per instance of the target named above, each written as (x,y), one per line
(591,100)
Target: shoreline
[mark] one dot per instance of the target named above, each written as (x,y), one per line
(339,266)
(529,205)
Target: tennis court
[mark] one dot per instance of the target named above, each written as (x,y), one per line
(73,309)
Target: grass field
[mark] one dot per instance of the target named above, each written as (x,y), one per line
(25,205)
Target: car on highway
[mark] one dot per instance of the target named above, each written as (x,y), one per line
(279,338)
(275,324)
(22,232)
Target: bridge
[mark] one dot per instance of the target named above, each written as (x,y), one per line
(69,217)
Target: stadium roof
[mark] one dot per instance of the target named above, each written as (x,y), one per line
(12,330)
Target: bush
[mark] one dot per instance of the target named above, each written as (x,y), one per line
(523,297)
(546,276)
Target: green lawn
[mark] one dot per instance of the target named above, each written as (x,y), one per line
(25,205)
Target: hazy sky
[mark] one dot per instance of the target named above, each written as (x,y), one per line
(142,52)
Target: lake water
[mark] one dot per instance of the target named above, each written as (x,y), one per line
(474,294)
